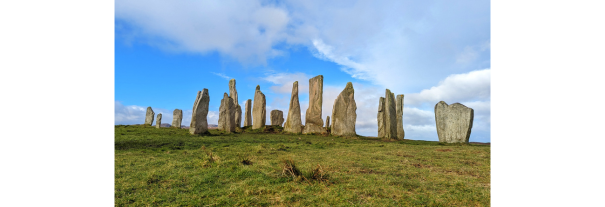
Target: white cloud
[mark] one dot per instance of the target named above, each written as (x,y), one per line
(222,76)
(285,81)
(455,88)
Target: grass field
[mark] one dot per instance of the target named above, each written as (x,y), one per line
(170,167)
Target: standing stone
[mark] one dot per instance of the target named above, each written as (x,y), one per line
(313,121)
(149,116)
(259,113)
(199,122)
(344,113)
(238,108)
(390,115)
(400,132)
(158,121)
(177,118)
(248,118)
(277,117)
(327,122)
(380,118)
(454,122)
(226,120)
(293,122)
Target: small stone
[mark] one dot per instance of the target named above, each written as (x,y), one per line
(380,117)
(454,122)
(149,116)
(177,118)
(327,122)
(248,118)
(158,122)
(199,121)
(400,131)
(277,117)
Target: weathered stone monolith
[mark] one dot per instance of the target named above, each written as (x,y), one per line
(390,123)
(149,116)
(248,117)
(226,117)
(400,131)
(327,122)
(380,117)
(344,113)
(199,121)
(454,122)
(259,112)
(277,117)
(293,122)
(238,108)
(177,118)
(313,121)
(158,121)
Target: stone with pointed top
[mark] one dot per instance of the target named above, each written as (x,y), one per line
(199,121)
(313,121)
(238,108)
(387,116)
(293,121)
(226,120)
(177,118)
(400,131)
(344,113)
(248,117)
(454,122)
(149,116)
(259,112)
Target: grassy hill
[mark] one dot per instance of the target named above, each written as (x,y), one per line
(170,167)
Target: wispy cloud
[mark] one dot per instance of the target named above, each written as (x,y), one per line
(222,76)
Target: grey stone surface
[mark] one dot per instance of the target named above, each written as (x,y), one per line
(327,122)
(226,120)
(238,108)
(149,116)
(177,118)
(259,112)
(454,122)
(158,122)
(277,117)
(344,113)
(390,115)
(199,121)
(293,122)
(248,117)
(400,131)
(313,121)
(380,117)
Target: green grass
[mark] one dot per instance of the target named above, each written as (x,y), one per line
(170,167)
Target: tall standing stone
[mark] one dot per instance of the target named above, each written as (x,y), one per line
(327,122)
(149,116)
(313,121)
(248,118)
(177,118)
(390,115)
(259,113)
(380,118)
(238,108)
(344,113)
(400,132)
(199,121)
(226,120)
(158,121)
(454,122)
(293,122)
(277,117)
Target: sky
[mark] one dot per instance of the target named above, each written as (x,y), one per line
(429,51)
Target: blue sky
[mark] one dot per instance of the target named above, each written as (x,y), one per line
(165,51)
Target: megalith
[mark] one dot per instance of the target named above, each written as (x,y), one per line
(454,122)
(149,116)
(199,121)
(277,117)
(158,121)
(259,113)
(313,121)
(293,122)
(226,117)
(238,108)
(327,122)
(248,117)
(177,118)
(344,113)
(380,117)
(400,132)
